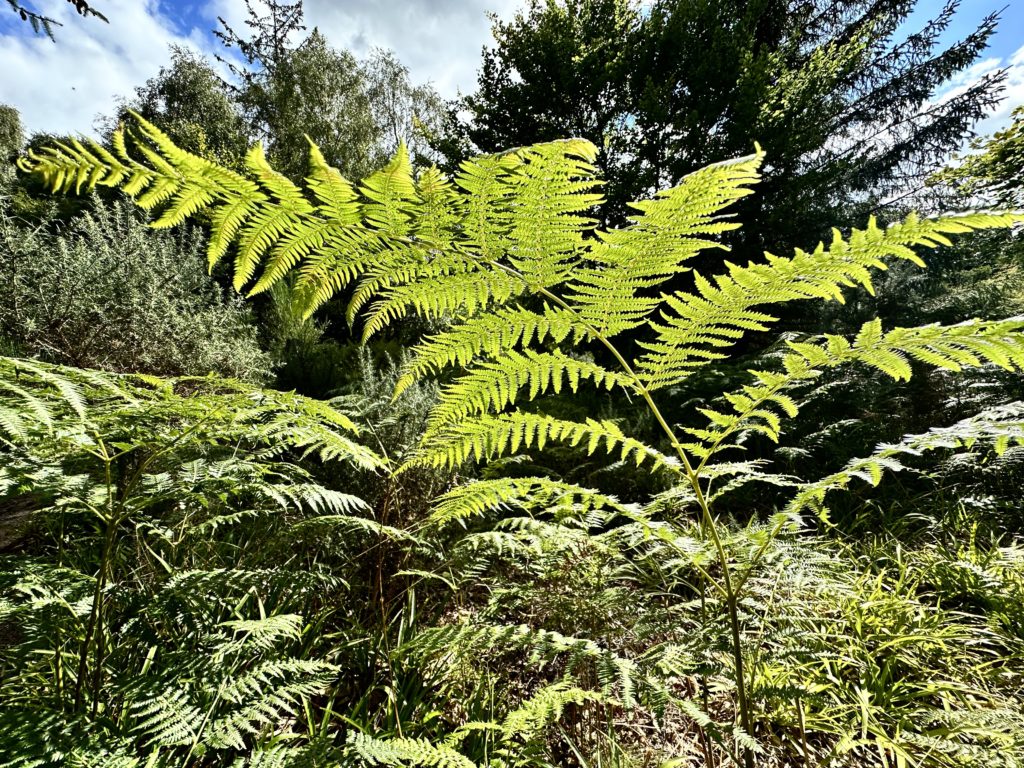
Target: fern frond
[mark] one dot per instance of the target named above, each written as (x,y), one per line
(491,334)
(272,688)
(703,323)
(405,266)
(469,292)
(485,224)
(365,527)
(492,385)
(393,202)
(616,673)
(260,634)
(488,437)
(475,499)
(347,253)
(440,212)
(760,407)
(543,708)
(405,752)
(68,166)
(670,231)
(545,226)
(999,427)
(166,717)
(952,347)
(335,195)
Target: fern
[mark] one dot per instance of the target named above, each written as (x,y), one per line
(493,385)
(1000,427)
(761,407)
(536,300)
(489,335)
(402,752)
(543,708)
(618,675)
(474,499)
(702,324)
(488,437)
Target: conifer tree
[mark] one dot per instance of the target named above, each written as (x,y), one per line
(840,98)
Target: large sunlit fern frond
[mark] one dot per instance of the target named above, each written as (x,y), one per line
(491,335)
(699,326)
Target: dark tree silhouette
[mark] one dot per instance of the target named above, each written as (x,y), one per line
(44,25)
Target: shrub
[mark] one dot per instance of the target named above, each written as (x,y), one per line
(108,292)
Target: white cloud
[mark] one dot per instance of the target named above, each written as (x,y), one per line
(438,40)
(61,87)
(1012,94)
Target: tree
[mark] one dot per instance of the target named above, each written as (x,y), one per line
(842,104)
(44,24)
(291,87)
(994,170)
(404,113)
(193,104)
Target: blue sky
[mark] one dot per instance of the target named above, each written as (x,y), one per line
(1009,36)
(63,86)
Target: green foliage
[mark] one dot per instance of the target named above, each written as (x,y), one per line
(12,136)
(841,96)
(295,88)
(108,292)
(510,239)
(190,101)
(993,169)
(151,609)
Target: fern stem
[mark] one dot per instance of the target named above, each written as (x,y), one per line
(94,624)
(731,595)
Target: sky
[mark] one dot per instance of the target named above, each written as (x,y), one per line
(63,87)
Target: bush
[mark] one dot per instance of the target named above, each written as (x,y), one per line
(108,292)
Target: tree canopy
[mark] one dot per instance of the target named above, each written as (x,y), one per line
(840,97)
